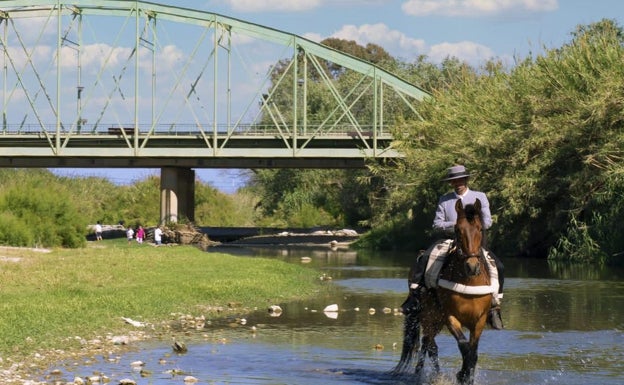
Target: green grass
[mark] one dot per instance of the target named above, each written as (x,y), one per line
(48,298)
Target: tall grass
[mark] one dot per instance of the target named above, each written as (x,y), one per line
(48,298)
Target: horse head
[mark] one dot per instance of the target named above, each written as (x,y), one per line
(468,234)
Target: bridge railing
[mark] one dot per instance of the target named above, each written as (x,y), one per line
(252,130)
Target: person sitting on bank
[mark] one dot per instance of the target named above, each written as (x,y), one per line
(444,222)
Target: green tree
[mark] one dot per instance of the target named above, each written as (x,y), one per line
(545,141)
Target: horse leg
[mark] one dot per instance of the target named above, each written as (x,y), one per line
(430,348)
(433,355)
(464,376)
(470,355)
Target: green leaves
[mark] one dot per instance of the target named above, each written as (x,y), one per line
(544,138)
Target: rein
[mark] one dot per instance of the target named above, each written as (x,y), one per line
(460,287)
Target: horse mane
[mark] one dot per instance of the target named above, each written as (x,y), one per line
(471,212)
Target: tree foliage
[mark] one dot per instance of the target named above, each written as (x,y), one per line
(38,211)
(311,198)
(545,139)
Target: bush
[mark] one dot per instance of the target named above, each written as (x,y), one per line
(13,231)
(41,214)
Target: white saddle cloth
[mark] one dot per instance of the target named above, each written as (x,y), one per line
(437,255)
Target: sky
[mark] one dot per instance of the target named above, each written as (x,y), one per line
(471,30)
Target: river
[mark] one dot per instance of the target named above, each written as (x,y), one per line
(564,324)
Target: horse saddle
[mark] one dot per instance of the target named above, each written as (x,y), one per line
(437,254)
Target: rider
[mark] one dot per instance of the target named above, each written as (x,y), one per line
(444,221)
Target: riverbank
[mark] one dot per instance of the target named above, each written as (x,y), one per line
(77,303)
(333,239)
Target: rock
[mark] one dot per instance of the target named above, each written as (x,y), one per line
(120,340)
(179,347)
(137,364)
(347,233)
(134,323)
(275,311)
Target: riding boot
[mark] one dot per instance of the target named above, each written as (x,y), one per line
(494,318)
(412,302)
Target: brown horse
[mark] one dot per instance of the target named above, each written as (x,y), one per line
(462,300)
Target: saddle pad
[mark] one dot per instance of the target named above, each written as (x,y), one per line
(437,254)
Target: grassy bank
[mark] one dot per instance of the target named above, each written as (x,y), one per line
(49,298)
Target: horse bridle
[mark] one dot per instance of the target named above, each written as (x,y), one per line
(461,255)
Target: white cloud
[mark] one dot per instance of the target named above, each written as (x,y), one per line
(98,54)
(37,55)
(393,41)
(402,46)
(475,8)
(241,39)
(273,5)
(315,37)
(467,51)
(169,58)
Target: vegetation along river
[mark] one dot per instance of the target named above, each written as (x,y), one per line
(564,324)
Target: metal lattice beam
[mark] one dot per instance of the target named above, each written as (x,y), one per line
(146,93)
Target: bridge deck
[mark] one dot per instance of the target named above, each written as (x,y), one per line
(121,146)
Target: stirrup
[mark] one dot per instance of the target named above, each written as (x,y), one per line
(494,318)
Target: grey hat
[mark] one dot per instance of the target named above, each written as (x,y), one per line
(456,172)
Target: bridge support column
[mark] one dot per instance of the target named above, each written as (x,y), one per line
(177,194)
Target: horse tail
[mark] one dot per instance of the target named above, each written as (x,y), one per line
(411,341)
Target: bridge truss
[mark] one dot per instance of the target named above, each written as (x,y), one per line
(111,83)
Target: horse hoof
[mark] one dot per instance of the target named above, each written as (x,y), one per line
(464,379)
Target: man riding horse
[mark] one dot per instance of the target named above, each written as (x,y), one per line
(444,221)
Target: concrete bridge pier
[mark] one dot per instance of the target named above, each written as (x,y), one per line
(177,194)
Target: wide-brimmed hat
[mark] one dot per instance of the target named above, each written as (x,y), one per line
(456,172)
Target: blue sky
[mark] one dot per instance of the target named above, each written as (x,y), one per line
(472,30)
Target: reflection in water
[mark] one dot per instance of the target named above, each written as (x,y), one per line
(563,326)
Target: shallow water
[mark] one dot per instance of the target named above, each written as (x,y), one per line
(564,325)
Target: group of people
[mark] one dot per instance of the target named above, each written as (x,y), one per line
(141,234)
(130,234)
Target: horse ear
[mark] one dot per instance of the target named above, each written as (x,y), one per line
(459,206)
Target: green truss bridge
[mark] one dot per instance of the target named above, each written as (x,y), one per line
(111,83)
(105,83)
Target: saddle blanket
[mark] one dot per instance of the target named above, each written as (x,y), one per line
(437,255)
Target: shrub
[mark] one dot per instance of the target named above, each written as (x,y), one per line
(44,214)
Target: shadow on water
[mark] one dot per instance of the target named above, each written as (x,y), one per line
(563,326)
